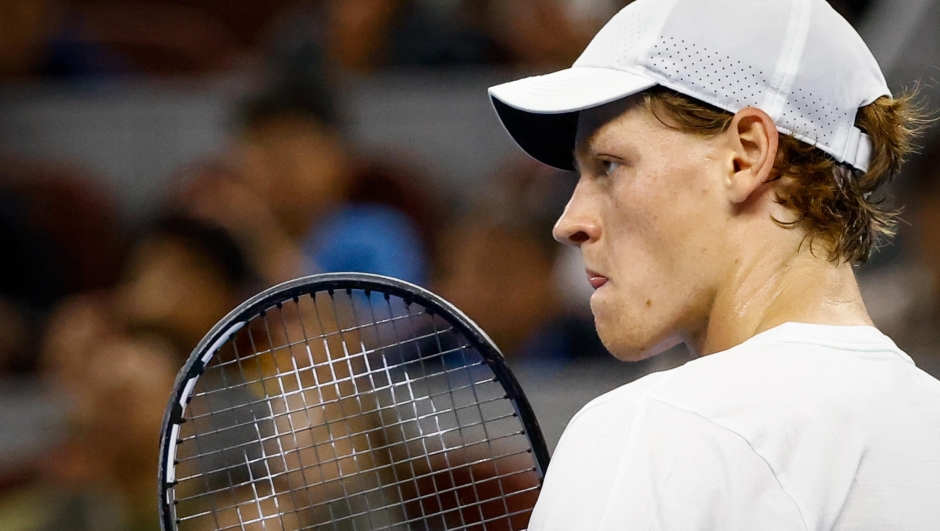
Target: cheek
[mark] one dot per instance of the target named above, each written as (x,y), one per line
(658,245)
(664,227)
(632,309)
(640,237)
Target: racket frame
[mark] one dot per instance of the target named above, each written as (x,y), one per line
(329,283)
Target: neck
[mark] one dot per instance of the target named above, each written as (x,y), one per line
(771,290)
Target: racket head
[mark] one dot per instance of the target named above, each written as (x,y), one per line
(291,422)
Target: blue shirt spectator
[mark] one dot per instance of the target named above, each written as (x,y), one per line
(369,238)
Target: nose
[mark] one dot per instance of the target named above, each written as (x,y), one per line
(578,224)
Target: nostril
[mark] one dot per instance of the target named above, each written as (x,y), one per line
(579,237)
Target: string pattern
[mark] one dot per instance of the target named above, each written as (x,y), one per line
(350,410)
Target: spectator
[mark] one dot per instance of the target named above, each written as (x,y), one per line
(497,265)
(361,37)
(32,280)
(215,192)
(295,160)
(59,235)
(45,38)
(110,357)
(101,476)
(542,34)
(293,155)
(180,279)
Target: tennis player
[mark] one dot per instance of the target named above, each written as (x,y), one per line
(731,153)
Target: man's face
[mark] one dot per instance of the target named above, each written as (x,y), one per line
(648,215)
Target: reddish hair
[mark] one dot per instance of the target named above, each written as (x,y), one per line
(835,203)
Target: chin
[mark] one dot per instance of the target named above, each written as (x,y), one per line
(627,347)
(628,330)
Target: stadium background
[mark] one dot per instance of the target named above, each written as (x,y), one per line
(161,160)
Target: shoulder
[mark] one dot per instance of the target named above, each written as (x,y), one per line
(623,399)
(794,369)
(628,457)
(780,424)
(794,373)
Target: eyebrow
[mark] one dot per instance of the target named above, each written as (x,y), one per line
(583,150)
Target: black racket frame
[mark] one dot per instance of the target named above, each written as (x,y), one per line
(330,283)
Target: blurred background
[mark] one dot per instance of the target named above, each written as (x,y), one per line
(163,160)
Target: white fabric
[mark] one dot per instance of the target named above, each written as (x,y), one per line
(803,427)
(798,60)
(574,89)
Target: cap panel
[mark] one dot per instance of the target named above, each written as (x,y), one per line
(794,42)
(706,51)
(837,75)
(688,68)
(798,60)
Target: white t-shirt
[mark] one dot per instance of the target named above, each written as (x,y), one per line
(802,427)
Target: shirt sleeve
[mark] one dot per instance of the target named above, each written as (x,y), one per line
(641,465)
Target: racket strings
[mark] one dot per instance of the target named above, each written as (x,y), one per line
(489,520)
(440,432)
(349,410)
(443,431)
(298,371)
(325,335)
(349,367)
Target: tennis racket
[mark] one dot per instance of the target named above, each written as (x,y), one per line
(348,402)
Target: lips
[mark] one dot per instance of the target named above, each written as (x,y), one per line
(596,279)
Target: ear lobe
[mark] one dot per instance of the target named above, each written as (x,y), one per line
(754,139)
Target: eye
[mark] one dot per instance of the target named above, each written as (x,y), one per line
(609,166)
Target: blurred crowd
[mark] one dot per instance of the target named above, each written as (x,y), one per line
(69,38)
(78,38)
(97,315)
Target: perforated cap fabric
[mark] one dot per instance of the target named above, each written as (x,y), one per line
(797,60)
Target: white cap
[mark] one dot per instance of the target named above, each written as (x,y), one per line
(797,60)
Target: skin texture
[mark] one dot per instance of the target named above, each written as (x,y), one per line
(683,227)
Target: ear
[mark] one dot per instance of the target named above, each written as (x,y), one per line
(752,137)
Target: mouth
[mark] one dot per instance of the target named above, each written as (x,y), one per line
(596,279)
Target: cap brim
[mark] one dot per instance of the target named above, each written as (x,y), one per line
(541,113)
